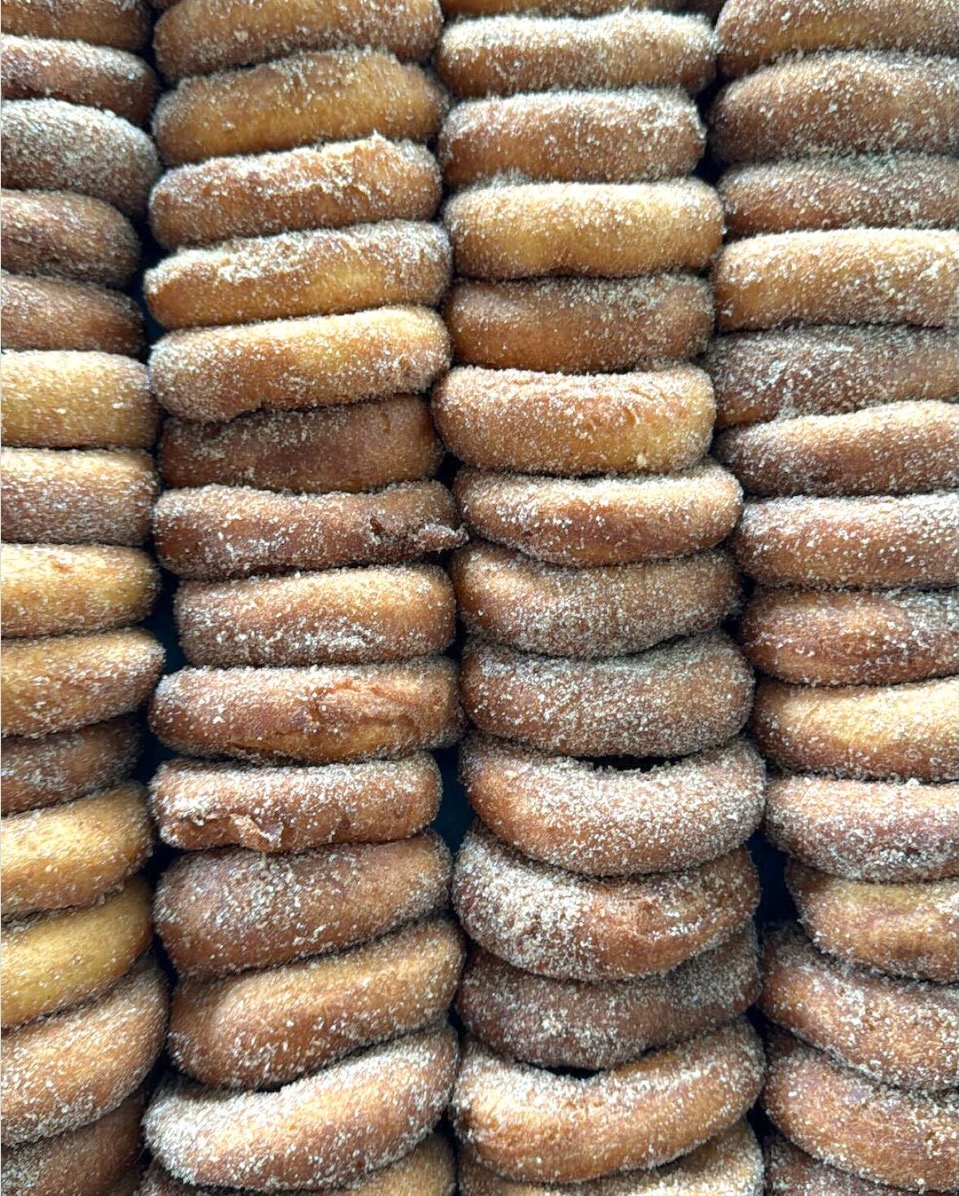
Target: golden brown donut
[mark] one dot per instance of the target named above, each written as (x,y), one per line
(52,313)
(322,186)
(336,95)
(790,1171)
(124,24)
(219,373)
(580,325)
(263,1029)
(533,1125)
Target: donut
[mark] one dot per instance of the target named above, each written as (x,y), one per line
(607,611)
(600,230)
(601,423)
(895,1031)
(789,1170)
(875,638)
(85,497)
(210,374)
(335,95)
(828,371)
(264,1029)
(216,532)
(838,103)
(323,186)
(530,1124)
(507,55)
(625,520)
(891,831)
(52,145)
(74,1067)
(863,543)
(324,1130)
(557,8)
(123,24)
(566,1023)
(52,313)
(890,1135)
(65,399)
(586,137)
(580,325)
(555,923)
(58,960)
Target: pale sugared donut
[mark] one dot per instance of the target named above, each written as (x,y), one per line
(600,230)
(607,611)
(556,8)
(843,103)
(325,1130)
(863,543)
(611,822)
(555,923)
(580,325)
(64,682)
(898,191)
(67,236)
(906,1139)
(338,95)
(813,637)
(566,1023)
(52,313)
(51,145)
(263,1029)
(789,1171)
(882,831)
(506,55)
(899,1032)
(828,371)
(601,521)
(74,1067)
(55,961)
(532,1124)
(124,24)
(216,532)
(219,373)
(323,186)
(64,399)
(599,423)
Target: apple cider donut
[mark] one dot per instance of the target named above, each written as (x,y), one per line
(52,313)
(789,1170)
(123,24)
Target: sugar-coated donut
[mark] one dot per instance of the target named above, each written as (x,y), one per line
(557,8)
(337,95)
(790,1171)
(870,830)
(53,313)
(55,961)
(555,923)
(890,1135)
(601,230)
(531,1124)
(219,373)
(322,186)
(813,637)
(598,423)
(264,1029)
(217,532)
(863,543)
(123,24)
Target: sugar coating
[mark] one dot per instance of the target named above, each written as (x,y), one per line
(124,24)
(786,1166)
(53,313)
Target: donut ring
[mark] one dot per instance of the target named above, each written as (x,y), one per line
(52,313)
(337,95)
(545,423)
(263,1029)
(878,831)
(58,960)
(587,137)
(607,1122)
(863,543)
(118,23)
(324,186)
(219,373)
(308,1134)
(789,1170)
(603,230)
(555,923)
(890,1135)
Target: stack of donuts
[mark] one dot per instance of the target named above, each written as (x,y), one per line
(305,919)
(836,389)
(83,1008)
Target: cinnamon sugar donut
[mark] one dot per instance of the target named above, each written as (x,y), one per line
(219,373)
(545,423)
(533,1125)
(124,24)
(789,1170)
(67,236)
(322,186)
(555,923)
(52,313)
(217,532)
